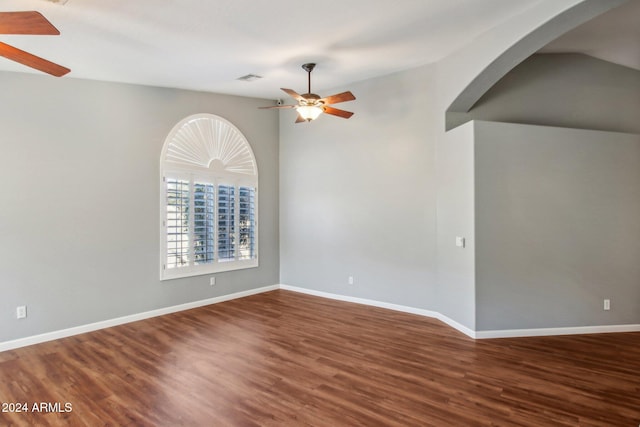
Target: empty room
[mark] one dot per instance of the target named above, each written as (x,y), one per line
(285,213)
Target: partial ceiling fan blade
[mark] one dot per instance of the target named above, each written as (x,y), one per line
(32,61)
(339,97)
(292,93)
(26,23)
(277,106)
(300,119)
(337,112)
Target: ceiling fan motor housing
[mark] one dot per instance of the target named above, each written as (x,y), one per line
(311,99)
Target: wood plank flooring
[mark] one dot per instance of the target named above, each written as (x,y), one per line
(287,359)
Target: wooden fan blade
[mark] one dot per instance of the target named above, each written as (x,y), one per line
(278,106)
(337,112)
(292,93)
(339,97)
(300,119)
(32,61)
(26,23)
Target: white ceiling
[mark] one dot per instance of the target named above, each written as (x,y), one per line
(207,44)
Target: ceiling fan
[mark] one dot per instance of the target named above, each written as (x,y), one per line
(310,105)
(28,23)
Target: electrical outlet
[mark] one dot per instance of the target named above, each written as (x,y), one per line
(350,281)
(21,312)
(212,280)
(607,304)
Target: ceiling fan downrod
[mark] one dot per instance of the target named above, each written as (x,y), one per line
(308,68)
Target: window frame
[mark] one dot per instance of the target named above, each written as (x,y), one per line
(216,175)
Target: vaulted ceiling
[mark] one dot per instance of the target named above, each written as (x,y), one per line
(207,45)
(613,36)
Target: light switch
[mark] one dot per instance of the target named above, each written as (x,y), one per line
(460,242)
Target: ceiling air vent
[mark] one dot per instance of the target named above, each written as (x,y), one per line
(249,78)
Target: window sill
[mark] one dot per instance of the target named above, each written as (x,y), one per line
(221,267)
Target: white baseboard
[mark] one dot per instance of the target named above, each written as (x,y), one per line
(374,303)
(49,336)
(544,332)
(507,333)
(364,301)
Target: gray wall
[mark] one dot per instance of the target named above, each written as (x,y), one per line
(358,196)
(539,263)
(569,90)
(455,218)
(557,226)
(79,213)
(344,182)
(327,233)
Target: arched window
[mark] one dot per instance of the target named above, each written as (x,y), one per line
(209,199)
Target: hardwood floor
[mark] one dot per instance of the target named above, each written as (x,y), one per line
(287,359)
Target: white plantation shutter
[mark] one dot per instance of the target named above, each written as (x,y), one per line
(177,222)
(247,222)
(226,222)
(209,199)
(203,222)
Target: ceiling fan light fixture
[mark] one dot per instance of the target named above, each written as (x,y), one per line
(309,112)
